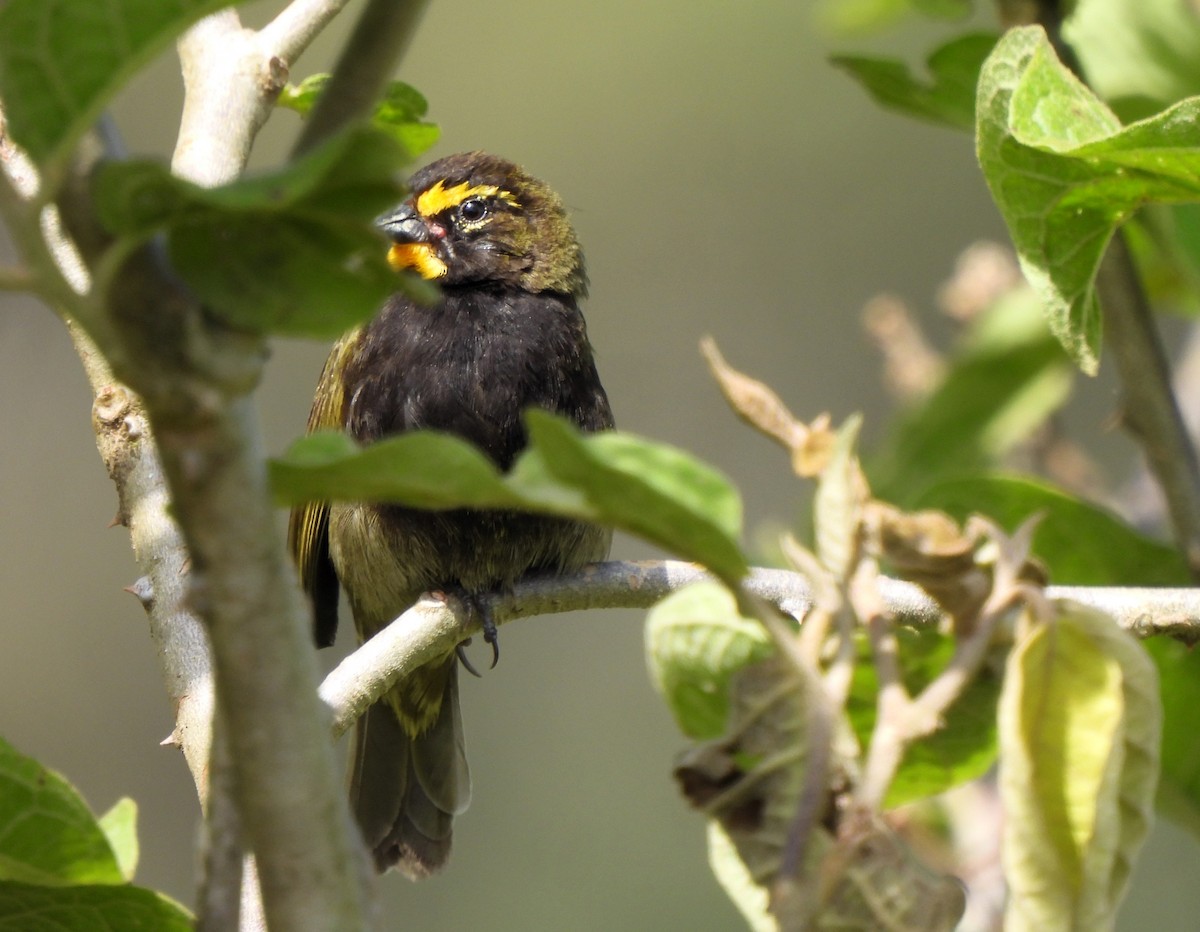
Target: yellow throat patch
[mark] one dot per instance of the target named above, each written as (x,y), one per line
(420,257)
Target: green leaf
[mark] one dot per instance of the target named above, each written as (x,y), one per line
(398,114)
(29,908)
(349,177)
(1080,543)
(1179,674)
(1079,740)
(1140,57)
(61,60)
(47,833)
(322,280)
(422,469)
(636,485)
(999,389)
(962,749)
(947,98)
(869,16)
(650,489)
(696,639)
(294,251)
(752,899)
(1065,175)
(119,825)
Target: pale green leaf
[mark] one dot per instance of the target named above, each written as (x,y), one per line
(696,639)
(1140,57)
(753,900)
(838,504)
(119,825)
(1080,722)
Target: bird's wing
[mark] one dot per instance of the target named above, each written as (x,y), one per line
(308,526)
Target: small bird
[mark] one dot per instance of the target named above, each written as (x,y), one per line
(505,335)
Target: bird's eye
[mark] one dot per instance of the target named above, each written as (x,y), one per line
(472,210)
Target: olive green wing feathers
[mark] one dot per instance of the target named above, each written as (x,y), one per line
(308,526)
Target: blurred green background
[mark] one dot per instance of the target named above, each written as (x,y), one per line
(724,180)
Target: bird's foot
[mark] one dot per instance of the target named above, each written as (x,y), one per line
(482,607)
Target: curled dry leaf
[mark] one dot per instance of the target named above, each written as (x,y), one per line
(871,879)
(757,405)
(763,778)
(931,550)
(958,567)
(751,779)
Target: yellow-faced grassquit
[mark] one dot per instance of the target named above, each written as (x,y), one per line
(505,335)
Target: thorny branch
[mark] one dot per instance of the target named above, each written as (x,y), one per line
(193,378)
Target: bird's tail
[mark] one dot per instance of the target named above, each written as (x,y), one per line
(405,790)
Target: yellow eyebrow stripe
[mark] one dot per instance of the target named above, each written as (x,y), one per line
(433,201)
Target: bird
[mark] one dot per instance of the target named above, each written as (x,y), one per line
(505,334)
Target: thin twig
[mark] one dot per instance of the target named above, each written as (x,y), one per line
(370,57)
(1148,403)
(297,24)
(893,706)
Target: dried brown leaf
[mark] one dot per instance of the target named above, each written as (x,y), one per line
(756,404)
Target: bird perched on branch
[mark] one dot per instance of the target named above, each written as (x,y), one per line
(506,335)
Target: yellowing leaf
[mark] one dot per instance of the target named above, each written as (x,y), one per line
(1080,724)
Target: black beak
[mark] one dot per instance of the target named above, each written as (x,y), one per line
(405,225)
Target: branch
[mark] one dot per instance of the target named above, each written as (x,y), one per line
(301,21)
(231,79)
(433,628)
(1148,404)
(370,57)
(193,377)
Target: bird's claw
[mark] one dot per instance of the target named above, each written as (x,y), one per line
(462,658)
(490,636)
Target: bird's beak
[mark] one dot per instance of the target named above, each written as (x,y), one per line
(413,242)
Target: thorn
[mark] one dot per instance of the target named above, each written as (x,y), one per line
(120,519)
(170,741)
(143,590)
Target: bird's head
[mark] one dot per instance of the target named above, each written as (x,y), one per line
(476,219)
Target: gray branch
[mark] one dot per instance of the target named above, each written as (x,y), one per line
(432,628)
